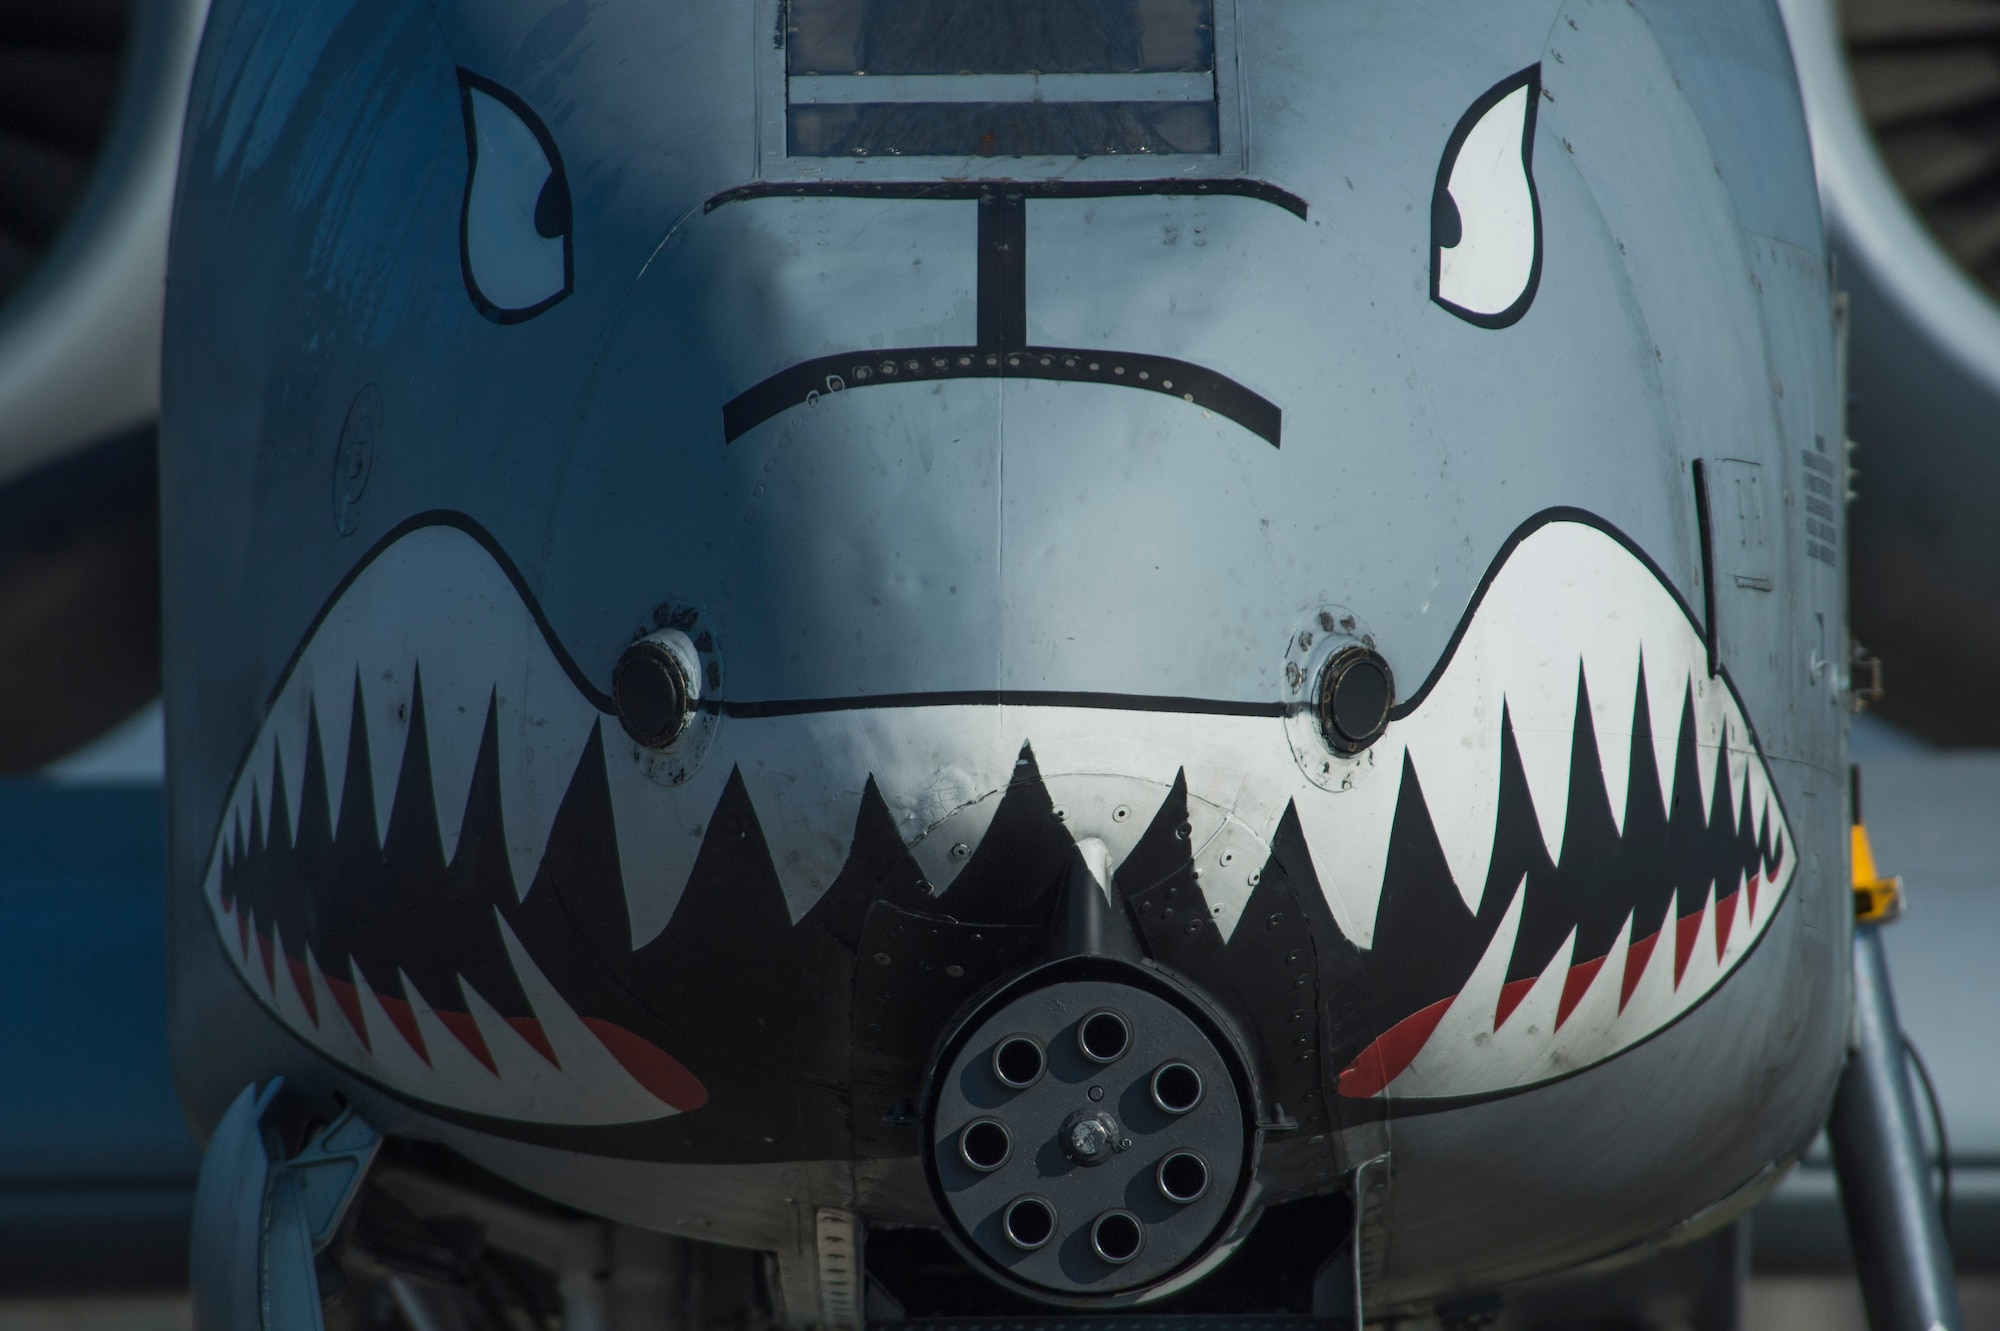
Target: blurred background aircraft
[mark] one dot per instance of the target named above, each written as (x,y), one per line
(96,1164)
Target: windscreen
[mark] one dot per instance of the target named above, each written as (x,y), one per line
(964,78)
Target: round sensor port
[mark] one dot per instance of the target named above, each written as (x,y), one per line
(1117,1237)
(1356,692)
(1183,1177)
(1018,1061)
(1176,1088)
(654,687)
(1028,1223)
(985,1144)
(1104,1036)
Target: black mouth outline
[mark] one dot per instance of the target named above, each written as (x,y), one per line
(1002,350)
(881,887)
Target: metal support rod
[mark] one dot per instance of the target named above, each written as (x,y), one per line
(1878,1153)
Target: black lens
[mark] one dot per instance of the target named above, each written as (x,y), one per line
(1183,1177)
(985,1144)
(1360,700)
(1176,1088)
(1355,694)
(1104,1037)
(1117,1237)
(1029,1222)
(1018,1061)
(651,695)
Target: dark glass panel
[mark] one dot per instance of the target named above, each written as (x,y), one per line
(999,36)
(1012,129)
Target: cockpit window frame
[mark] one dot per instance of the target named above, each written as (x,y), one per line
(776,163)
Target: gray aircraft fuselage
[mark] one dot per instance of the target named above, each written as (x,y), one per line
(1010,414)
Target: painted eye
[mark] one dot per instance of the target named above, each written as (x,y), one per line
(514,237)
(1486,223)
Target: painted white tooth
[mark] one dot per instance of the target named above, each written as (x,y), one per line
(385,700)
(946,847)
(1590,1028)
(660,828)
(1522,1044)
(333,703)
(1457,1054)
(1653,998)
(1211,750)
(1347,832)
(283,765)
(806,777)
(1771,825)
(1702,968)
(1095,763)
(1710,720)
(470,619)
(543,729)
(1610,671)
(1591,606)
(257,811)
(1544,718)
(1739,763)
(1090,805)
(455,704)
(452,1064)
(943,792)
(333,1035)
(602,1090)
(522,1067)
(1457,767)
(1224,865)
(211,884)
(805,798)
(1069,741)
(1758,781)
(1667,690)
(399,1063)
(475,641)
(283,744)
(1739,925)
(244,822)
(253,818)
(1226,767)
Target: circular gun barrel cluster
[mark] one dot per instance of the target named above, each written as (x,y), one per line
(1087,1139)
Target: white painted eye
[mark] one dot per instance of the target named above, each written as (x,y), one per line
(1486,223)
(514,238)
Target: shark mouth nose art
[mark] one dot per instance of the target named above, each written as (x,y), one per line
(445,866)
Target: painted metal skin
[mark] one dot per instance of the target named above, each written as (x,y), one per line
(499,336)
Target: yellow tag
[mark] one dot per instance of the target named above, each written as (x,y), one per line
(1876,899)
